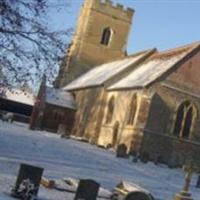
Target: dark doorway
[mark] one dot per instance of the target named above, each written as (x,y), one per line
(115,133)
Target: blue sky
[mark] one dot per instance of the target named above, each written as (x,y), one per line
(157,23)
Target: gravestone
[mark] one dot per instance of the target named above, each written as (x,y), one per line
(144,157)
(134,155)
(121,151)
(139,195)
(28,175)
(87,190)
(109,146)
(135,158)
(130,191)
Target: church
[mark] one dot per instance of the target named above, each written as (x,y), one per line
(148,101)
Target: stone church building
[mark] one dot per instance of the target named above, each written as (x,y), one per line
(148,101)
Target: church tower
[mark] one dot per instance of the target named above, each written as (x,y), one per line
(101,36)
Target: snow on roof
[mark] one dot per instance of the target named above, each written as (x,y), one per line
(102,73)
(59,97)
(153,68)
(17,95)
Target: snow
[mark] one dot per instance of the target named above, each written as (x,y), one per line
(59,97)
(150,70)
(102,73)
(63,158)
(17,96)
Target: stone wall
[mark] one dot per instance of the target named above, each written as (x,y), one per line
(158,132)
(159,115)
(164,109)
(90,108)
(121,102)
(187,76)
(182,85)
(172,151)
(128,134)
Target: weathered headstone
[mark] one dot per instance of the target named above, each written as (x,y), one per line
(28,176)
(121,151)
(109,146)
(87,190)
(130,191)
(139,195)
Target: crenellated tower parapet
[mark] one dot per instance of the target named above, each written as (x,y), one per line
(116,10)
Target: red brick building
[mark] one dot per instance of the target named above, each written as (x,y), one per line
(54,109)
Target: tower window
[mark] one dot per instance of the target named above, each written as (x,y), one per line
(132,110)
(110,110)
(106,36)
(185,116)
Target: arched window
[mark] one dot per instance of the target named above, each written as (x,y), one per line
(106,36)
(110,110)
(132,109)
(185,116)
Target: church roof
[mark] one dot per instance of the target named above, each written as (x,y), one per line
(60,98)
(100,74)
(154,67)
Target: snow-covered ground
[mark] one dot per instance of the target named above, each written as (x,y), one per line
(68,158)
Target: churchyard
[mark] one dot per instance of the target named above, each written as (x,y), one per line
(64,158)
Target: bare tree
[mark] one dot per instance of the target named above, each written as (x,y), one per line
(28,46)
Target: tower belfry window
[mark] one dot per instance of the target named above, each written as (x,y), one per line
(106,36)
